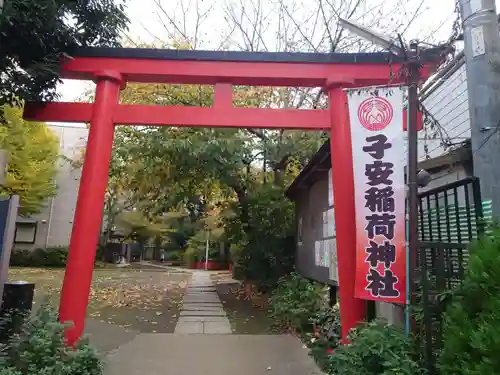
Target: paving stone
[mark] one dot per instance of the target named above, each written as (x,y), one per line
(186,319)
(207,294)
(217,328)
(202,296)
(201,304)
(201,299)
(189,327)
(203,313)
(200,291)
(195,299)
(202,307)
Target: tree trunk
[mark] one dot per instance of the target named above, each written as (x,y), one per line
(279,177)
(243,204)
(157,247)
(129,252)
(123,255)
(141,243)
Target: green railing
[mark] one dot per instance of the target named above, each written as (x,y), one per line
(450,218)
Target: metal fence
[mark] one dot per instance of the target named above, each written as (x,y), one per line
(450,219)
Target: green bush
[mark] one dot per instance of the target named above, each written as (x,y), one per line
(238,272)
(191,255)
(174,255)
(41,257)
(262,244)
(326,337)
(40,349)
(195,252)
(20,258)
(471,329)
(55,256)
(375,349)
(295,301)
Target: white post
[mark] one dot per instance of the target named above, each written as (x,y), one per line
(206,250)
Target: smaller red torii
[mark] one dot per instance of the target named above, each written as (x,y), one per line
(112,68)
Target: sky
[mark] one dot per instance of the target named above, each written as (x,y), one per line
(150,22)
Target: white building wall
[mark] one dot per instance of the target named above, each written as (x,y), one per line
(54,224)
(449,105)
(72,142)
(446,176)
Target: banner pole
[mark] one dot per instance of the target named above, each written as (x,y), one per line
(413,79)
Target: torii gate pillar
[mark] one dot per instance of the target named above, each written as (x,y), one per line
(352,310)
(86,226)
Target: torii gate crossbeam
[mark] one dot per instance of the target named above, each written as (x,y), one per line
(112,68)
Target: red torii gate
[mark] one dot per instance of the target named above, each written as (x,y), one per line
(112,68)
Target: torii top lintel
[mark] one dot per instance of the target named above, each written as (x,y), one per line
(222,69)
(237,68)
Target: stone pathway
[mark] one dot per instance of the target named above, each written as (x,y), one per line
(202,312)
(203,344)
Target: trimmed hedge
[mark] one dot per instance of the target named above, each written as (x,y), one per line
(41,257)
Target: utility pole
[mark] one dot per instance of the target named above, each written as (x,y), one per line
(207,247)
(482,56)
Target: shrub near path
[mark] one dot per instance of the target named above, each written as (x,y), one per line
(143,300)
(471,330)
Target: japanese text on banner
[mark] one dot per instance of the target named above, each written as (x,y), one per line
(378,149)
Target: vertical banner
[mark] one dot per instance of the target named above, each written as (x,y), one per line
(378,152)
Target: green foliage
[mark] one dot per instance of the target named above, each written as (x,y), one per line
(326,336)
(33,153)
(134,224)
(471,331)
(41,257)
(190,256)
(295,301)
(196,251)
(35,34)
(40,349)
(262,232)
(10,371)
(376,349)
(173,255)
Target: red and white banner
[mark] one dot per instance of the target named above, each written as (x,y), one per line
(378,152)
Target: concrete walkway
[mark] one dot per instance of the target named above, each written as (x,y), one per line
(202,312)
(173,354)
(203,344)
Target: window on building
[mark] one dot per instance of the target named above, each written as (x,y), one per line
(25,232)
